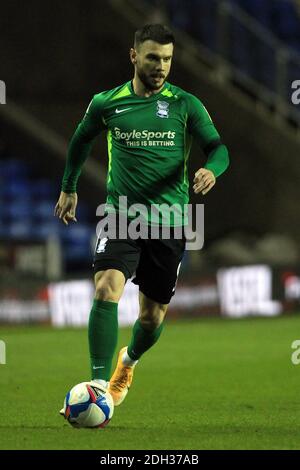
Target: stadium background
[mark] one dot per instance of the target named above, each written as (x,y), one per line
(240,58)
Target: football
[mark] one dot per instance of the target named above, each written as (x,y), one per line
(88,405)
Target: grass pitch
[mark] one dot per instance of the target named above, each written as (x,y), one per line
(207,384)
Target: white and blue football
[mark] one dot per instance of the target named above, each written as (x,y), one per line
(88,405)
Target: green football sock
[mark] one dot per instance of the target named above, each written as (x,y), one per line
(142,340)
(103,337)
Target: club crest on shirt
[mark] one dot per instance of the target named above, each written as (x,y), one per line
(162,109)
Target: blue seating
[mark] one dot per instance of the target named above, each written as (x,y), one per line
(17,188)
(180,13)
(259,9)
(13,168)
(249,54)
(43,210)
(27,213)
(3,230)
(77,242)
(204,23)
(286,22)
(80,252)
(19,230)
(16,210)
(76,233)
(45,188)
(43,230)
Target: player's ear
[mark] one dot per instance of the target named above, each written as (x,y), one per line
(133,56)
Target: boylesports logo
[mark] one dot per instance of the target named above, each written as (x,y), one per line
(145,138)
(144,134)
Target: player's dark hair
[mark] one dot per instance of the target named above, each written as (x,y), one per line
(154,32)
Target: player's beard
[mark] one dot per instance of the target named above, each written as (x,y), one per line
(147,80)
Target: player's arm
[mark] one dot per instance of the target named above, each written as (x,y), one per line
(78,151)
(202,128)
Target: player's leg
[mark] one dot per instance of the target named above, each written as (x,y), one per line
(103,322)
(115,261)
(146,331)
(156,276)
(147,328)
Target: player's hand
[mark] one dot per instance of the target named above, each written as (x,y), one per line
(204,180)
(65,208)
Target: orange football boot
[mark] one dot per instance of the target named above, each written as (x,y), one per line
(121,380)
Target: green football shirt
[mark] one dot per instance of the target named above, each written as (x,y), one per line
(149,141)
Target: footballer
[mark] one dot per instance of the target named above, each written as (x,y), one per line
(150,124)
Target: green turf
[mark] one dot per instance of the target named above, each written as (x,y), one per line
(207,384)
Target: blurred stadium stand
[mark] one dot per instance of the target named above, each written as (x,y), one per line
(238,56)
(26,214)
(257,40)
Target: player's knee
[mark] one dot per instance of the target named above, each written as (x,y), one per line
(109,285)
(151,322)
(105,291)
